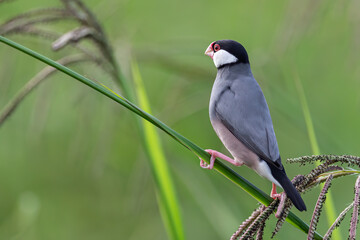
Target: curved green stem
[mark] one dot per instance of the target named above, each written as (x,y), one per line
(220,167)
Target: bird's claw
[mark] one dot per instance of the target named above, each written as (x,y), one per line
(281,206)
(281,197)
(276,195)
(204,164)
(214,154)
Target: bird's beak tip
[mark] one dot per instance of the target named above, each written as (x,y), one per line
(209,51)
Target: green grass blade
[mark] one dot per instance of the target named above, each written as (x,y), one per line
(166,195)
(329,206)
(307,116)
(218,166)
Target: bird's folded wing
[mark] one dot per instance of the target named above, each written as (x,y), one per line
(244,111)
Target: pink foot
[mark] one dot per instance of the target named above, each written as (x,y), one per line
(281,197)
(214,154)
(273,193)
(281,206)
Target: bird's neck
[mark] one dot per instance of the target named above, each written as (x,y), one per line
(234,71)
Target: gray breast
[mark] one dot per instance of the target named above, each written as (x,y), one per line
(237,149)
(223,83)
(241,153)
(241,118)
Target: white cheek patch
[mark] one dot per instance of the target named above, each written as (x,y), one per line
(223,57)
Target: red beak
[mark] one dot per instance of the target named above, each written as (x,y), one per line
(209,51)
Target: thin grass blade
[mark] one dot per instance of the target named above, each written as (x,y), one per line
(165,188)
(329,206)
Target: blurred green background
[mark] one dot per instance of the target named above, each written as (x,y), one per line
(71,161)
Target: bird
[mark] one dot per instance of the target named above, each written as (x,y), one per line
(241,119)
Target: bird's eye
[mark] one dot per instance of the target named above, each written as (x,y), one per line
(216,47)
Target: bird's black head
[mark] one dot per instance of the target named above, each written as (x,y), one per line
(225,52)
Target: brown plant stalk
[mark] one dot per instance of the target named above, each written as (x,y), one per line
(326,171)
(337,222)
(35,81)
(355,215)
(318,207)
(244,225)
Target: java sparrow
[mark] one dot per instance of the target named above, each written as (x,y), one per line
(241,118)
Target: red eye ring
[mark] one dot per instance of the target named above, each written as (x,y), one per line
(216,47)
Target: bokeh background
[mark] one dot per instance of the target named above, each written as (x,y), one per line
(72,165)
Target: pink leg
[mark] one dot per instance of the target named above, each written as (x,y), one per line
(273,193)
(214,154)
(281,196)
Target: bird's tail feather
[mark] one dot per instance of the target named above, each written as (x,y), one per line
(289,188)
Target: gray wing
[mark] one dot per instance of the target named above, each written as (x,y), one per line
(242,108)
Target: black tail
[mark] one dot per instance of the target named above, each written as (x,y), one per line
(288,187)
